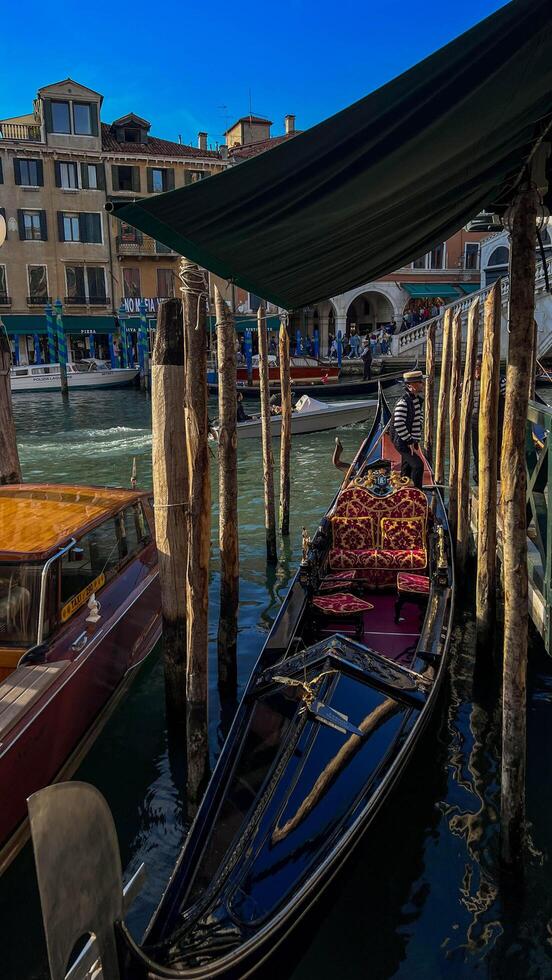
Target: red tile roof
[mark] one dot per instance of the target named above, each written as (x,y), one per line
(253,149)
(154,147)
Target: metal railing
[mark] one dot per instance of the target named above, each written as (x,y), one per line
(413,340)
(5,300)
(86,300)
(30,132)
(143,246)
(38,300)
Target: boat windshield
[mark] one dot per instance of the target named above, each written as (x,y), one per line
(19,601)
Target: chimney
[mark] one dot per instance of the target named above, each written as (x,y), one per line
(289,124)
(202,141)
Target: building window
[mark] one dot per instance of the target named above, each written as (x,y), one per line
(160,179)
(71,228)
(68,178)
(28,173)
(471,255)
(254,302)
(131,283)
(38,282)
(419,263)
(61,121)
(130,234)
(125,178)
(165,283)
(192,176)
(86,226)
(131,135)
(3,284)
(85,284)
(92,174)
(437,257)
(82,119)
(32,226)
(156,180)
(500,256)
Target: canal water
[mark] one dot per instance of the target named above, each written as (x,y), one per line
(423,896)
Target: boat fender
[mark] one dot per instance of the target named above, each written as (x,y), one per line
(94,606)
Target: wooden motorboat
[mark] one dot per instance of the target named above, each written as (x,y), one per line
(80,375)
(79,611)
(303,369)
(309,415)
(343,689)
(338,389)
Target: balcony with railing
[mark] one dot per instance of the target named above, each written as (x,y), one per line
(29,132)
(142,245)
(38,300)
(5,300)
(86,300)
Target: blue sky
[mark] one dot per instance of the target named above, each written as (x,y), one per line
(179,64)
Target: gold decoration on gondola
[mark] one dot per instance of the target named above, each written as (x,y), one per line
(305,545)
(374,479)
(308,692)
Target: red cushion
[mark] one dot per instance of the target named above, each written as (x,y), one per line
(355,533)
(355,501)
(406,582)
(402,532)
(341,604)
(341,558)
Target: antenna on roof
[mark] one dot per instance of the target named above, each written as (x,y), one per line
(250,109)
(180,138)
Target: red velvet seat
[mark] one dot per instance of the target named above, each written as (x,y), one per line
(377,558)
(411,588)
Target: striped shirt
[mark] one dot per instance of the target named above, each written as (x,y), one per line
(400,418)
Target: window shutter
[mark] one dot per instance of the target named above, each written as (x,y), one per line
(115,177)
(83,228)
(21,224)
(169,179)
(94,118)
(84,176)
(91,227)
(57,170)
(40,173)
(43,226)
(16,170)
(1,172)
(47,115)
(61,230)
(3,212)
(136,179)
(149,172)
(100,176)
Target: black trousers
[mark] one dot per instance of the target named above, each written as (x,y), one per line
(413,467)
(367,372)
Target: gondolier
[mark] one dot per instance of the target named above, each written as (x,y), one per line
(406,427)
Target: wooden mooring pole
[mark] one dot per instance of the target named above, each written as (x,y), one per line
(429,393)
(488,469)
(170,490)
(10,467)
(285,434)
(194,293)
(464,443)
(514,523)
(442,404)
(228,500)
(268,461)
(454,421)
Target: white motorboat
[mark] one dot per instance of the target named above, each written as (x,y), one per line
(80,374)
(309,415)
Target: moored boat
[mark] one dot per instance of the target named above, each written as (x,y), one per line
(343,689)
(79,611)
(303,369)
(80,375)
(344,388)
(309,415)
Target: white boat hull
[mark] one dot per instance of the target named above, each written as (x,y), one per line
(47,378)
(333,416)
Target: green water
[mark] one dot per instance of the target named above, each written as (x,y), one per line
(423,896)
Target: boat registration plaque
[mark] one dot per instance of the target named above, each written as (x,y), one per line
(77,600)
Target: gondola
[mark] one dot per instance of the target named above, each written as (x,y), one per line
(335,389)
(342,691)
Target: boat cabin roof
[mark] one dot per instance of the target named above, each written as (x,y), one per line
(38,519)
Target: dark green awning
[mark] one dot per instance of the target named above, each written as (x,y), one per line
(22,324)
(426,290)
(380,183)
(469,287)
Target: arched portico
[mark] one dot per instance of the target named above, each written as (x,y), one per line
(369,306)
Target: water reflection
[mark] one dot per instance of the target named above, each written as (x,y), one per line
(421,896)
